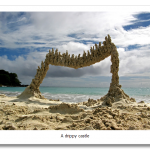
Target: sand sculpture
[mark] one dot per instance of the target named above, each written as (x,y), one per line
(96,54)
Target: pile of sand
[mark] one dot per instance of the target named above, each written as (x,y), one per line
(65,108)
(37,114)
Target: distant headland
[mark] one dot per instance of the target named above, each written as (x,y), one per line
(9,79)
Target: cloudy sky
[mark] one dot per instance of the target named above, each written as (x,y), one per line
(26,37)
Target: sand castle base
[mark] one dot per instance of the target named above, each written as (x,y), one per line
(28,92)
(115,94)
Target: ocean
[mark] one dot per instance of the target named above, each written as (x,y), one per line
(78,94)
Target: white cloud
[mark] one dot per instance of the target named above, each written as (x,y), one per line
(74,48)
(138,36)
(134,63)
(53,28)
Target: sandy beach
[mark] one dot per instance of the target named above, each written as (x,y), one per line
(44,114)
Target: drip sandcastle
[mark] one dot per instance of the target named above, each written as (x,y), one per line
(97,53)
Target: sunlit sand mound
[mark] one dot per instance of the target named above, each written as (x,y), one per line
(28,92)
(65,108)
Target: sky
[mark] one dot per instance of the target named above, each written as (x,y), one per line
(26,37)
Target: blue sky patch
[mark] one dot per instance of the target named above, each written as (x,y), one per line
(142,20)
(73,35)
(13,54)
(86,41)
(36,37)
(38,43)
(131,47)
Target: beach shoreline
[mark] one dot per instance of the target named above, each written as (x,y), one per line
(47,114)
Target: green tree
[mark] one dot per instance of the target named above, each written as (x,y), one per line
(5,79)
(10,79)
(4,72)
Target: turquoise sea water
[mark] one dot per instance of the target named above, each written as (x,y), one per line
(75,94)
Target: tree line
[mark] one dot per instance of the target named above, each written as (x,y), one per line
(9,79)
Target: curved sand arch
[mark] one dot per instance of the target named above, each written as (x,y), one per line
(89,58)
